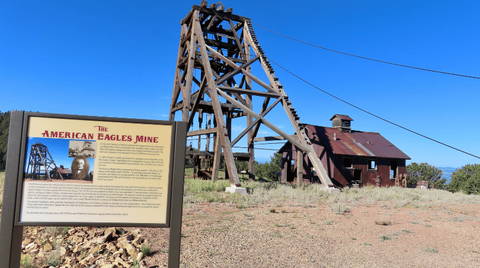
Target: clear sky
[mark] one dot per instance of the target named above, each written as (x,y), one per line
(117,58)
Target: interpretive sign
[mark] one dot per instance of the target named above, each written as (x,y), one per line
(116,172)
(67,170)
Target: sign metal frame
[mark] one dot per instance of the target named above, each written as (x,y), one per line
(11,224)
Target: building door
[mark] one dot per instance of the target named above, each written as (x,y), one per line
(357,176)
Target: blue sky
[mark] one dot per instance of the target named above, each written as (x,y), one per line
(117,58)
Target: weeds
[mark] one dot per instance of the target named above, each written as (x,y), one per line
(384,238)
(146,249)
(26,261)
(339,208)
(135,264)
(54,231)
(431,250)
(54,258)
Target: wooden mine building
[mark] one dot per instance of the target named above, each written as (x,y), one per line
(350,157)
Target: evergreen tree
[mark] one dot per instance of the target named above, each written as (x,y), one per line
(4,125)
(426,172)
(466,179)
(274,168)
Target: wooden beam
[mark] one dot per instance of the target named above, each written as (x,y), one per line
(264,107)
(272,138)
(219,44)
(222,15)
(197,102)
(202,132)
(236,71)
(176,89)
(254,123)
(251,134)
(245,131)
(189,76)
(250,92)
(216,158)
(236,60)
(237,40)
(251,76)
(221,133)
(237,96)
(264,121)
(299,168)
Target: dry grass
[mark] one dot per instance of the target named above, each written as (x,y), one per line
(197,191)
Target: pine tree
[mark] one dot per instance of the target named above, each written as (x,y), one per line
(4,125)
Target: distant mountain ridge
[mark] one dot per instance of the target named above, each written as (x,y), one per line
(447,172)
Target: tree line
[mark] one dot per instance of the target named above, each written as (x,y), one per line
(4,123)
(465,179)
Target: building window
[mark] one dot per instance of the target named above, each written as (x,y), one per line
(393,169)
(347,163)
(372,165)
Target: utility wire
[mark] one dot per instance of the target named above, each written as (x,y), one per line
(366,58)
(190,139)
(374,115)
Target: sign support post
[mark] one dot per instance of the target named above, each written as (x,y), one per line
(177,198)
(11,235)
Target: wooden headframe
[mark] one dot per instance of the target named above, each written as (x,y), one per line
(213,76)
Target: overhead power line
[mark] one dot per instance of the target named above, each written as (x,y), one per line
(372,114)
(366,58)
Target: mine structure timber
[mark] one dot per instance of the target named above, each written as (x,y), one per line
(214,82)
(41,162)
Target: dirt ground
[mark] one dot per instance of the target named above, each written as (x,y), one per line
(377,235)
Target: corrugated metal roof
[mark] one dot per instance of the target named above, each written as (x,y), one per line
(356,143)
(64,170)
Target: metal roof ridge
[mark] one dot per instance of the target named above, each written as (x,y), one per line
(363,147)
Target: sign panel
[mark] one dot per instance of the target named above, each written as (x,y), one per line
(91,171)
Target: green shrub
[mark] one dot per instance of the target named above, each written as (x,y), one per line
(146,249)
(26,261)
(54,258)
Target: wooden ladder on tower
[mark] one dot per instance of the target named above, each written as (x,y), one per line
(214,76)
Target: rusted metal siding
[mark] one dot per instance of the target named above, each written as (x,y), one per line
(332,146)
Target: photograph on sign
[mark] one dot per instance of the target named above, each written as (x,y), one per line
(60,160)
(89,171)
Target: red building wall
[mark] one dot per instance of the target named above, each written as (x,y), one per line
(340,175)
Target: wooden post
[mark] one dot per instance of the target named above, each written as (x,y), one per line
(217,157)
(200,120)
(251,133)
(299,168)
(207,143)
(222,132)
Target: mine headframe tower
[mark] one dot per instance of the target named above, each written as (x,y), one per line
(40,162)
(214,77)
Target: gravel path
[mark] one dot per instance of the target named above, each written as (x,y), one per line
(379,235)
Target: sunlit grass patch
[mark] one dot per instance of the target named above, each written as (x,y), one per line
(277,194)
